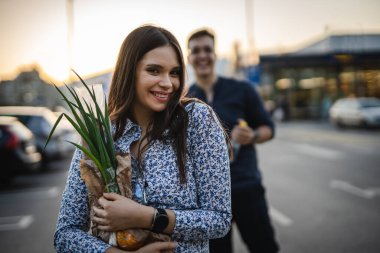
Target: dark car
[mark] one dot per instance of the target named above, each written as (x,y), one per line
(40,120)
(18,151)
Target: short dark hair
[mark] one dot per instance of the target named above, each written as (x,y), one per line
(200,33)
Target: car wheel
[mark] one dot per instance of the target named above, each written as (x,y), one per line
(44,165)
(339,124)
(7,175)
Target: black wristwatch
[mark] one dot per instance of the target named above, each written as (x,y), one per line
(256,137)
(160,220)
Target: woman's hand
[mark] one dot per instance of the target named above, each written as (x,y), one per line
(156,247)
(120,213)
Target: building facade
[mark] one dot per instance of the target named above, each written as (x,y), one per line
(28,89)
(306,82)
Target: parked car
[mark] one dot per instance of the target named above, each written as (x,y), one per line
(356,112)
(40,120)
(17,149)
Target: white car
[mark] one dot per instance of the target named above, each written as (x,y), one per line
(356,112)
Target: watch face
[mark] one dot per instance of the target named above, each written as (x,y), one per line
(162,222)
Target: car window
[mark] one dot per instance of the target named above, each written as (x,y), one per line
(3,136)
(369,103)
(351,104)
(339,103)
(39,125)
(345,104)
(22,118)
(50,117)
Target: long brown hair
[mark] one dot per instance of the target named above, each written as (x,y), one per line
(122,93)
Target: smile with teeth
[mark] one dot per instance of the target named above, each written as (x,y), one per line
(160,95)
(203,63)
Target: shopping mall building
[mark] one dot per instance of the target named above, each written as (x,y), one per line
(307,81)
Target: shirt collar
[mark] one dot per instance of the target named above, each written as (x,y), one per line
(131,133)
(214,86)
(131,127)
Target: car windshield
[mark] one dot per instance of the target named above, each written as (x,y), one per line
(369,103)
(347,103)
(39,125)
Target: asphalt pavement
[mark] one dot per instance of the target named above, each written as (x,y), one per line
(322,186)
(29,208)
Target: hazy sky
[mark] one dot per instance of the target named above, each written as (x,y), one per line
(35,31)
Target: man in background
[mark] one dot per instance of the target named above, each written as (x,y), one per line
(241,111)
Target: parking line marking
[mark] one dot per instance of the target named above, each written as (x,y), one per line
(375,190)
(319,152)
(15,222)
(279,217)
(53,192)
(354,190)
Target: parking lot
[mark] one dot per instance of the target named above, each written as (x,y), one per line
(322,187)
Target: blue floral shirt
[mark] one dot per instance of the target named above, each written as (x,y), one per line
(202,206)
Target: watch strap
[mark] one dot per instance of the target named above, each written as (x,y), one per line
(159,223)
(256,136)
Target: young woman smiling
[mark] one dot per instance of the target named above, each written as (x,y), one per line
(180,163)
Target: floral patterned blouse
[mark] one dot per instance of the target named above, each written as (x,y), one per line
(202,206)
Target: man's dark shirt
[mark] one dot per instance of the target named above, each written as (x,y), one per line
(232,100)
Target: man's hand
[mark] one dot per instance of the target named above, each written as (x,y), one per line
(242,133)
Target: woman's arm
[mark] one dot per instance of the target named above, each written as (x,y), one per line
(209,156)
(73,221)
(210,160)
(119,213)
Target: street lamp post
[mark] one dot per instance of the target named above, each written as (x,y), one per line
(70,37)
(249,21)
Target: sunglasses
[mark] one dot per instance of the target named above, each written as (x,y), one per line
(197,50)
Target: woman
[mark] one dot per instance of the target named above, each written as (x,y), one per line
(179,155)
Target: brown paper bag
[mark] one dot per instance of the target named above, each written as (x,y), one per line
(130,239)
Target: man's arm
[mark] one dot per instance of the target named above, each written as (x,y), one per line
(245,135)
(258,118)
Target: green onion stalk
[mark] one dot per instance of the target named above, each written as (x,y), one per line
(95,129)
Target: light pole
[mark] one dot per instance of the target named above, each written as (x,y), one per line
(252,52)
(70,36)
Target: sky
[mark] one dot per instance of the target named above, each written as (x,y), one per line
(36,31)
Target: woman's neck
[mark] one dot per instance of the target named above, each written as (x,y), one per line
(142,118)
